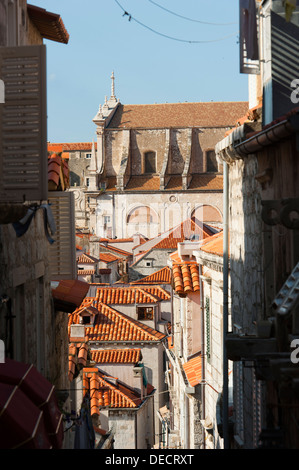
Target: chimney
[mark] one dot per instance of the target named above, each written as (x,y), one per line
(138,376)
(136,239)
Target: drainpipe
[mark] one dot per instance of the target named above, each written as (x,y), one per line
(225,302)
(203,387)
(113,216)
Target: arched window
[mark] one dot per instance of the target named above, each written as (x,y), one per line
(142,215)
(150,162)
(207,213)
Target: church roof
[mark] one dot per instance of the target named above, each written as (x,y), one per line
(178,115)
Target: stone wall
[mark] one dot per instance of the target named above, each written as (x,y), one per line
(246,270)
(245,243)
(38,332)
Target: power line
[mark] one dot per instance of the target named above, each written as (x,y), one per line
(189,19)
(130,17)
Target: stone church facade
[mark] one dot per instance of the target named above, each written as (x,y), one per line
(153,166)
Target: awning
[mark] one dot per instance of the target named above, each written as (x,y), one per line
(29,413)
(68,294)
(192,370)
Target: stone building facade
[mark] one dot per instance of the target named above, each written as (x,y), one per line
(32,329)
(151,167)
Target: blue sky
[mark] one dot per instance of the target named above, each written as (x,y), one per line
(199,63)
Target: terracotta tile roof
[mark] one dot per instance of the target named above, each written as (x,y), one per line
(116,356)
(163,276)
(116,240)
(206,182)
(50,25)
(58,173)
(131,295)
(178,115)
(174,183)
(111,325)
(186,277)
(107,391)
(181,232)
(213,245)
(69,147)
(114,249)
(184,231)
(84,272)
(108,257)
(78,353)
(87,259)
(192,370)
(144,183)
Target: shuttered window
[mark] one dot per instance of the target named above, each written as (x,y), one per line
(62,253)
(23,124)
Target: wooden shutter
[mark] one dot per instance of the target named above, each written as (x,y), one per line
(23,124)
(247,65)
(62,253)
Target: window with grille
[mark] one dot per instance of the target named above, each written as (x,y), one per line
(150,162)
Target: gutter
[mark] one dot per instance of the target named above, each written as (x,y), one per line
(225,303)
(235,145)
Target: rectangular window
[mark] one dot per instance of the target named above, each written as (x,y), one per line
(87,182)
(149,264)
(88,155)
(150,162)
(212,166)
(106,219)
(145,313)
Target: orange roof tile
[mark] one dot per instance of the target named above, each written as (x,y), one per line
(163,276)
(174,183)
(85,272)
(77,357)
(111,325)
(144,183)
(108,257)
(86,259)
(178,234)
(73,146)
(207,182)
(107,391)
(58,172)
(186,277)
(116,356)
(114,249)
(184,231)
(178,115)
(131,295)
(192,370)
(213,245)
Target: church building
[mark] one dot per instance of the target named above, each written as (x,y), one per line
(154,165)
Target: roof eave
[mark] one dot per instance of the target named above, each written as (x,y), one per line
(50,25)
